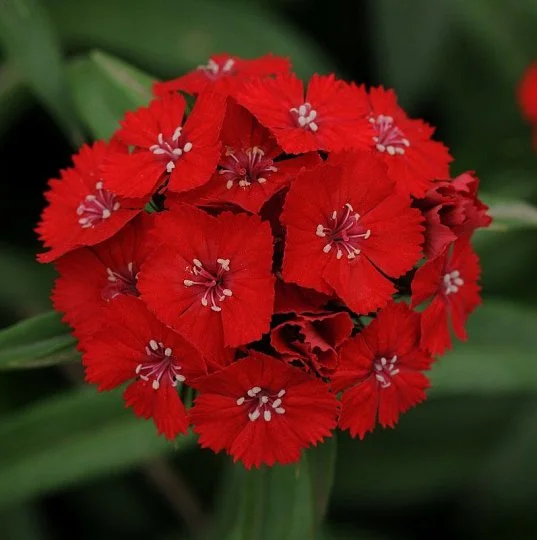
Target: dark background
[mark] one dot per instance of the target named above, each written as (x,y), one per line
(460,466)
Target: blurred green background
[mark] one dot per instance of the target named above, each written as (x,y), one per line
(74,464)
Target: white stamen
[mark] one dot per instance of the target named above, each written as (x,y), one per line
(240,401)
(267,415)
(254,415)
(153,344)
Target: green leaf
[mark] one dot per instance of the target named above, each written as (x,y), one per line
(509,214)
(71,438)
(283,503)
(498,357)
(104,88)
(178,36)
(40,341)
(407,38)
(32,48)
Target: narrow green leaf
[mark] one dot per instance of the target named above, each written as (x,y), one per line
(509,214)
(321,462)
(71,438)
(498,357)
(40,341)
(282,503)
(31,46)
(172,37)
(104,88)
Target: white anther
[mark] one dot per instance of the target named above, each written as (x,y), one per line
(216,308)
(227,292)
(106,213)
(154,345)
(320,231)
(168,351)
(267,415)
(253,416)
(155,384)
(327,248)
(187,147)
(240,401)
(188,283)
(99,185)
(170,166)
(276,403)
(197,263)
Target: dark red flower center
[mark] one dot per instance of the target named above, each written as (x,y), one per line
(389,137)
(213,70)
(304,116)
(262,403)
(385,369)
(343,232)
(211,285)
(161,366)
(121,281)
(452,282)
(96,207)
(171,149)
(245,167)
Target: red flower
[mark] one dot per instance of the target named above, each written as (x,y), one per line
(81,210)
(262,411)
(331,117)
(211,279)
(166,151)
(225,73)
(134,346)
(451,281)
(346,230)
(527,93)
(380,371)
(250,169)
(311,341)
(413,159)
(451,210)
(90,278)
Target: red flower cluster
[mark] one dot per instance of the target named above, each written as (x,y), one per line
(527,98)
(235,251)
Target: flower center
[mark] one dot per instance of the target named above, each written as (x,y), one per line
(171,149)
(260,402)
(452,282)
(212,284)
(121,281)
(213,70)
(96,207)
(385,370)
(246,167)
(343,232)
(160,363)
(305,116)
(389,137)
